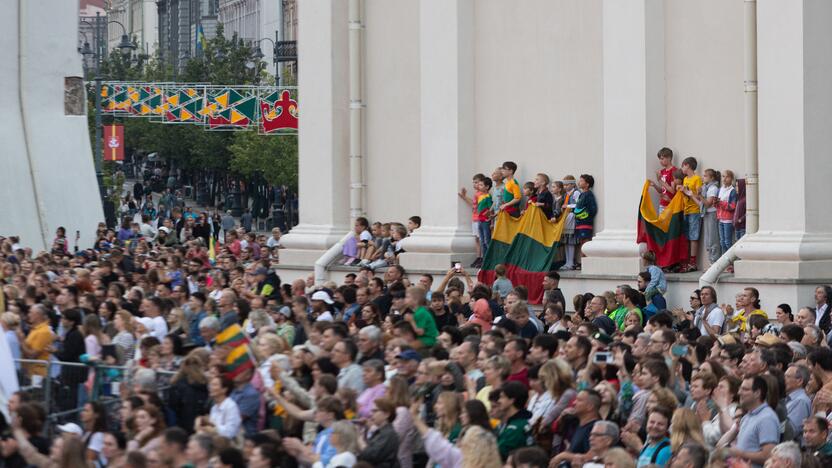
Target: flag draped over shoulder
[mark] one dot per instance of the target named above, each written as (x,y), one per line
(527,246)
(239,358)
(663,233)
(212,251)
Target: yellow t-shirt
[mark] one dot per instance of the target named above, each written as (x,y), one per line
(693,183)
(39,339)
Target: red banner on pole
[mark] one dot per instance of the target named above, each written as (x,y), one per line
(114,142)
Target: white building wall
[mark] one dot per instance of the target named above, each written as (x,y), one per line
(392,167)
(538,87)
(704,82)
(539,92)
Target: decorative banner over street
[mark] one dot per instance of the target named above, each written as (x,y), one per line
(230,108)
(183,104)
(269,109)
(113,142)
(278,111)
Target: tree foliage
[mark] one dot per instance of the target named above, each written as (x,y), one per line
(275,158)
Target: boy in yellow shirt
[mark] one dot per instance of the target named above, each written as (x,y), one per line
(693,215)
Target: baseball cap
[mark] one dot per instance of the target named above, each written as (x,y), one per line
(286,311)
(261,271)
(71,428)
(602,337)
(409,355)
(322,296)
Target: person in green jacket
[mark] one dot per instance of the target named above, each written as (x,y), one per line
(514,430)
(421,318)
(627,297)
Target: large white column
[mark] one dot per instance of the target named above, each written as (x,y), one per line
(447,134)
(634,127)
(323,133)
(794,240)
(47,178)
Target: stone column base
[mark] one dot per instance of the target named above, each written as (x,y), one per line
(612,252)
(784,255)
(435,248)
(305,243)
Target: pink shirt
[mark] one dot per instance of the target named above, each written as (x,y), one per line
(367,397)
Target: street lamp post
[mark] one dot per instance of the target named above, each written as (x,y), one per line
(282,51)
(259,55)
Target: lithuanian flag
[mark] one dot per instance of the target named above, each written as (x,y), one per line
(238,361)
(233,336)
(527,246)
(212,251)
(239,358)
(664,233)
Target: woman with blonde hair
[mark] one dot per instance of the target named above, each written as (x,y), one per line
(496,370)
(685,428)
(617,457)
(398,392)
(609,401)
(477,448)
(447,409)
(269,349)
(556,376)
(11,322)
(124,340)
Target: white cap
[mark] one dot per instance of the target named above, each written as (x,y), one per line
(71,428)
(322,296)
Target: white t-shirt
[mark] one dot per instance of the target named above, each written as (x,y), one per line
(226,418)
(365,236)
(96,442)
(160,328)
(715,319)
(345,459)
(711,191)
(326,317)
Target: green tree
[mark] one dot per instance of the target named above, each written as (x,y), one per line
(274,157)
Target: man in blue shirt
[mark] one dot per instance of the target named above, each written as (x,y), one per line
(760,427)
(248,400)
(798,403)
(656,450)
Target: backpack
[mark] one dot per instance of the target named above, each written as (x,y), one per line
(658,450)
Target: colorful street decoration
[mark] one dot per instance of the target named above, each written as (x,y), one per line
(230,108)
(183,104)
(269,110)
(278,111)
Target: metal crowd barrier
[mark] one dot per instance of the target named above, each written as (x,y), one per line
(66,384)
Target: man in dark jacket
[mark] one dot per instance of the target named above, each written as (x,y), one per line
(71,350)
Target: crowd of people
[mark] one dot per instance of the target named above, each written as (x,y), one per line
(379,371)
(141,334)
